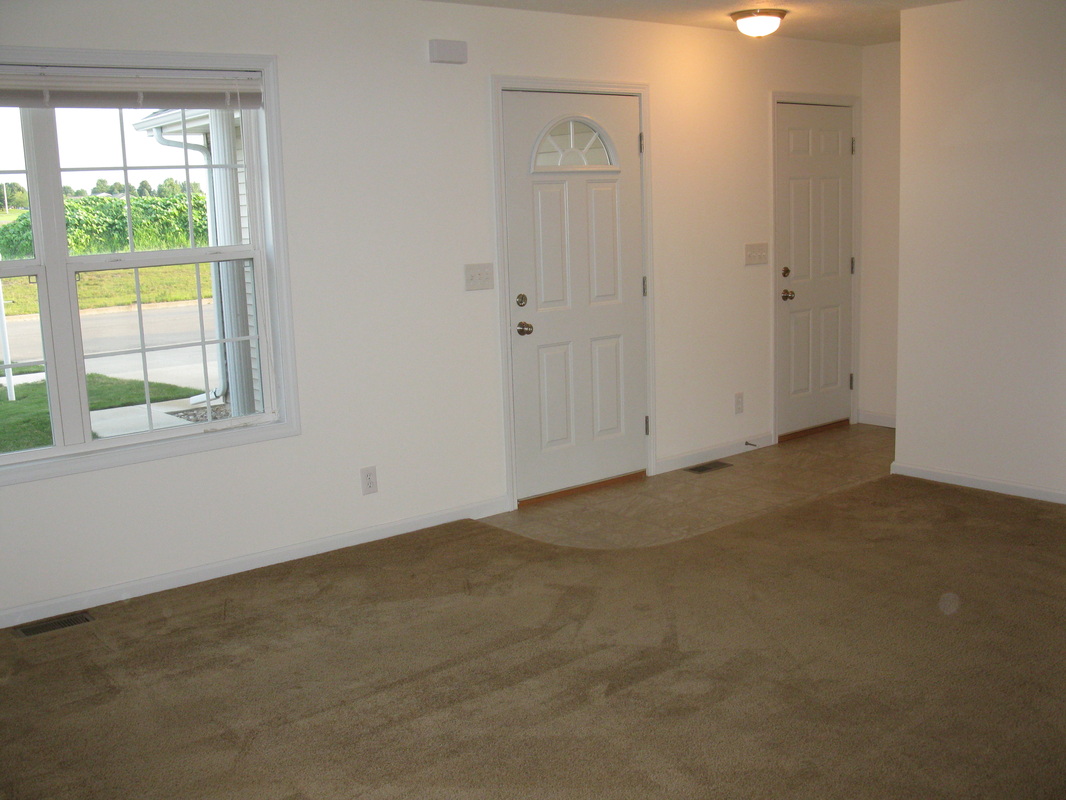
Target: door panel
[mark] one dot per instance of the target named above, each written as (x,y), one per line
(813,231)
(553,273)
(603,240)
(556,382)
(574,247)
(607,386)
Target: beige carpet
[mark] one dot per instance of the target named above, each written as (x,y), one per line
(902,639)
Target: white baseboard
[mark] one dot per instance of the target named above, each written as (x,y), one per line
(883,420)
(695,457)
(19,615)
(976,482)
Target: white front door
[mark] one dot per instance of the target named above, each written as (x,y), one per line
(574,245)
(813,250)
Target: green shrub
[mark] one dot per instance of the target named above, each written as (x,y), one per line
(16,239)
(97,224)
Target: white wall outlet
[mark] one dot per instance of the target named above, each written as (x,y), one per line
(368,479)
(479,276)
(738,403)
(756,254)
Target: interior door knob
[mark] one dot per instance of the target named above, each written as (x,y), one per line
(787,295)
(524,329)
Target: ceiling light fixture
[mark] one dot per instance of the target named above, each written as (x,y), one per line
(758,21)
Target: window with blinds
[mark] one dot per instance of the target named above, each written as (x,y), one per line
(137,264)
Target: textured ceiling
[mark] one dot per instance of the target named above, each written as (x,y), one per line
(859,22)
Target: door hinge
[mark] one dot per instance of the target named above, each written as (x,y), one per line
(645,285)
(647,426)
(853,265)
(642,141)
(853,145)
(851,381)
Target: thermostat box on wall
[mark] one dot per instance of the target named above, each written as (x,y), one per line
(446,51)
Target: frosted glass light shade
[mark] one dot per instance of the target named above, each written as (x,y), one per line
(758,21)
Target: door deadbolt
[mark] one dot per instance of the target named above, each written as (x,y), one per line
(524,329)
(787,295)
(786,271)
(521,300)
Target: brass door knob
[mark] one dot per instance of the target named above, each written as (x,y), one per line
(524,329)
(787,295)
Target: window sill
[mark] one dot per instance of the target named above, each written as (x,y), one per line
(119,455)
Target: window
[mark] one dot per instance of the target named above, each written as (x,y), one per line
(570,144)
(141,288)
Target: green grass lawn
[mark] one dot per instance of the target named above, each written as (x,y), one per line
(25,423)
(10,215)
(117,288)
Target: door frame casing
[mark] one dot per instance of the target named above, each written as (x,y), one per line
(841,101)
(501,84)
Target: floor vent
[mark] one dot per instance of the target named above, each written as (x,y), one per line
(710,466)
(55,624)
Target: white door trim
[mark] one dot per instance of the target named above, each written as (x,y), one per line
(500,84)
(855,104)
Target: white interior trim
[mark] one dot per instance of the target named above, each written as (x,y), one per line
(691,459)
(20,615)
(500,84)
(884,420)
(977,482)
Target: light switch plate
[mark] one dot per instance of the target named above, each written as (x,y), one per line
(756,254)
(479,276)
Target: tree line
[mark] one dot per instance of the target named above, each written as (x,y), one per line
(16,196)
(170,187)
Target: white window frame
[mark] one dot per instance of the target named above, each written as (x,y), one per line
(281,413)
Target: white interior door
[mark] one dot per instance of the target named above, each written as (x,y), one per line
(813,249)
(574,244)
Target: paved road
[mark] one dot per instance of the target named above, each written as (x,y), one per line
(109,330)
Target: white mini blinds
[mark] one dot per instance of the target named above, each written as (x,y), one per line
(30,86)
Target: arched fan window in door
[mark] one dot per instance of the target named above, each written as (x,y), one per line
(572,144)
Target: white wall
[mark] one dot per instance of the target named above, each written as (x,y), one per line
(879,259)
(389,178)
(982,361)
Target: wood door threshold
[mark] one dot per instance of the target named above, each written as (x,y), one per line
(587,487)
(840,423)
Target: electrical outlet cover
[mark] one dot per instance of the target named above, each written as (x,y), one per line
(368,479)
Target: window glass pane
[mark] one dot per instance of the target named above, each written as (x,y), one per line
(12,156)
(572,158)
(225,189)
(596,156)
(97,221)
(163,138)
(583,135)
(16,236)
(180,169)
(89,138)
(178,304)
(25,420)
(168,220)
(167,346)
